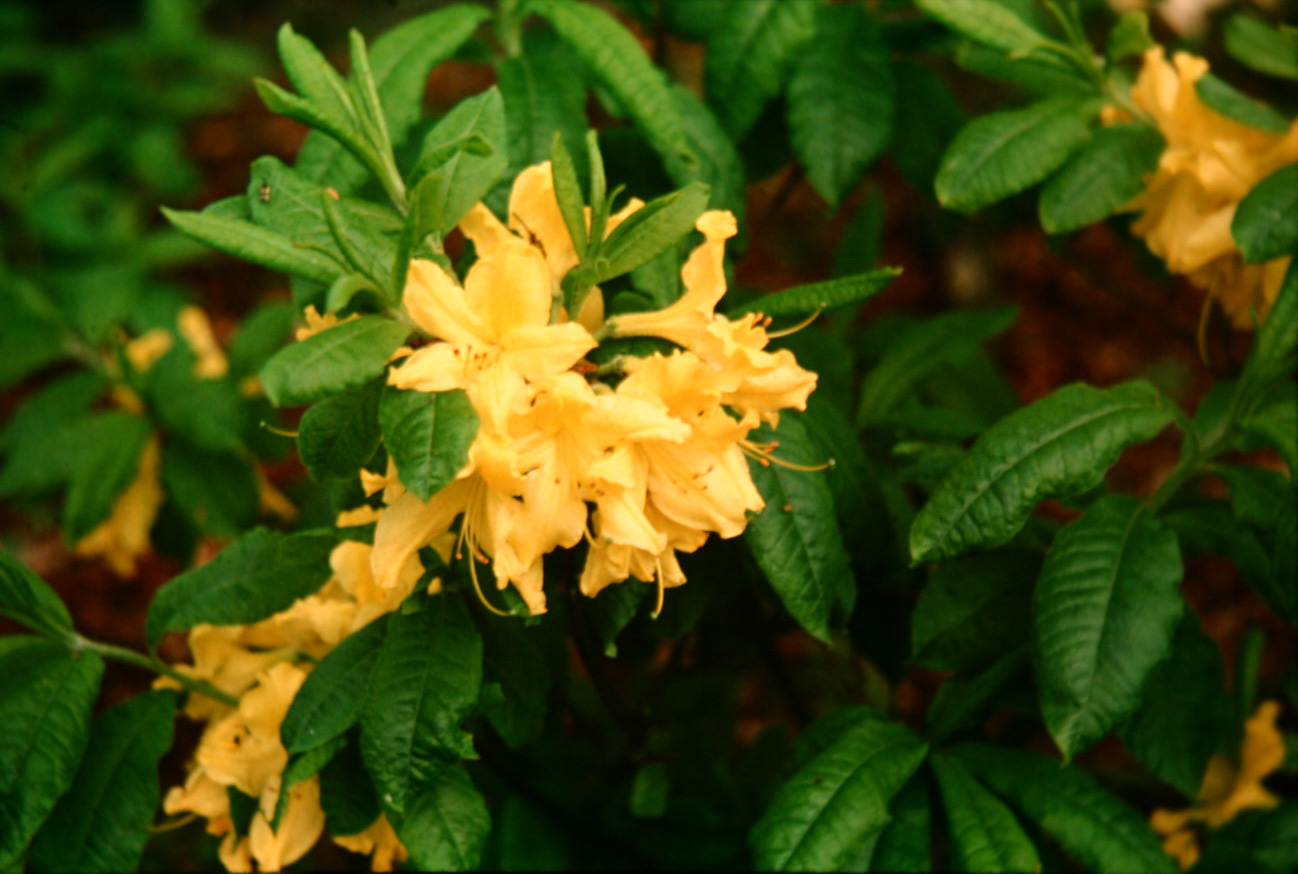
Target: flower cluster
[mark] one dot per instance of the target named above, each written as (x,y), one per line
(264,666)
(642,469)
(1209,164)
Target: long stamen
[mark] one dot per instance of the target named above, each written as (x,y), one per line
(763,455)
(798,327)
(477,587)
(280,431)
(662,588)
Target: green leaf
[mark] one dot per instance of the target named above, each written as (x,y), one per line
(258,575)
(345,356)
(35,441)
(648,232)
(963,700)
(1005,152)
(370,255)
(252,243)
(1273,350)
(820,296)
(1104,613)
(427,435)
(208,413)
(466,177)
(613,609)
(649,791)
(950,337)
(331,699)
(987,22)
(445,826)
(45,707)
(841,82)
(1267,49)
(1097,829)
(1264,841)
(985,836)
(347,794)
(974,609)
(1101,178)
(400,62)
(719,163)
(217,490)
(1191,680)
(302,767)
(1211,527)
(1274,423)
(513,658)
(1219,95)
(107,463)
(567,194)
(31,333)
(425,682)
(903,844)
(1038,73)
(28,600)
(1130,36)
(311,74)
(1059,446)
(260,334)
(1266,221)
(928,118)
(824,815)
(796,539)
(617,61)
(105,819)
(544,90)
(337,436)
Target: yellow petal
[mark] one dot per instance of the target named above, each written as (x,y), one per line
(124,536)
(438,305)
(298,831)
(195,327)
(509,289)
(409,524)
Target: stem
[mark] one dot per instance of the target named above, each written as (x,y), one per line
(131,657)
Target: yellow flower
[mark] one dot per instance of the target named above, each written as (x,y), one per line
(195,327)
(1209,164)
(315,323)
(124,536)
(1227,789)
(380,840)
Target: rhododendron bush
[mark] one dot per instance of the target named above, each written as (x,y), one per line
(539,516)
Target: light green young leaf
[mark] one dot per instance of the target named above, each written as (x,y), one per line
(258,575)
(331,699)
(1130,36)
(985,836)
(105,819)
(1266,221)
(337,436)
(841,100)
(567,193)
(1101,178)
(467,177)
(1264,48)
(820,296)
(427,435)
(1038,73)
(1095,828)
(796,539)
(1059,446)
(312,75)
(1104,613)
(344,356)
(825,815)
(986,22)
(107,463)
(445,826)
(342,129)
(28,600)
(367,254)
(1005,152)
(648,232)
(45,708)
(251,243)
(749,55)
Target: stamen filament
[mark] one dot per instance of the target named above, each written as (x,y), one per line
(798,327)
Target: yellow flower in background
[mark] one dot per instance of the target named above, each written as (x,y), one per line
(1209,164)
(123,537)
(195,327)
(1227,789)
(378,841)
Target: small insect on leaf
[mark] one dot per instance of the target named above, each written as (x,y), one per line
(263,193)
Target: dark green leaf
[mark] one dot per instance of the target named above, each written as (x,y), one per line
(445,826)
(513,657)
(544,91)
(841,82)
(1038,73)
(28,600)
(1262,841)
(1266,221)
(104,820)
(825,814)
(302,767)
(1101,178)
(260,334)
(258,575)
(1097,829)
(963,700)
(1059,446)
(904,842)
(466,177)
(986,21)
(1272,354)
(795,539)
(928,118)
(719,164)
(985,836)
(331,699)
(613,609)
(34,439)
(1217,94)
(427,435)
(337,436)
(425,682)
(45,707)
(347,795)
(1267,49)
(208,413)
(807,299)
(1005,152)
(1274,423)
(252,243)
(107,463)
(1130,37)
(30,334)
(217,490)
(649,791)
(342,357)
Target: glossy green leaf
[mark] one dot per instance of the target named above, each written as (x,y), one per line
(337,436)
(1272,355)
(966,698)
(105,819)
(427,435)
(1005,152)
(544,90)
(45,705)
(1220,95)
(974,609)
(425,682)
(795,539)
(217,490)
(302,767)
(821,296)
(107,463)
(258,575)
(719,164)
(1101,178)
(1037,73)
(648,232)
(1266,221)
(347,794)
(368,254)
(400,62)
(1059,446)
(345,356)
(824,815)
(445,826)
(904,843)
(1191,680)
(331,699)
(750,54)
(985,836)
(1105,610)
(466,177)
(841,83)
(1263,47)
(28,600)
(986,21)
(252,243)
(1094,827)
(1274,422)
